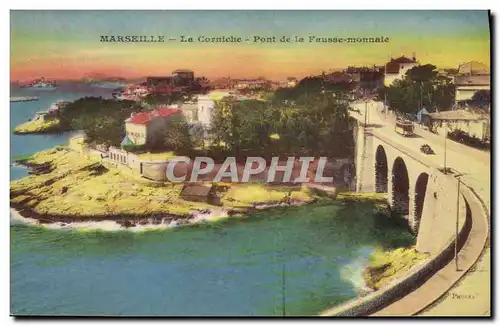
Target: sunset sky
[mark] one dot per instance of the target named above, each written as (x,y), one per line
(65,44)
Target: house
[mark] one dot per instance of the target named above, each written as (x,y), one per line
(474,123)
(54,107)
(190,111)
(141,127)
(182,78)
(473,68)
(423,117)
(222,83)
(472,77)
(198,192)
(135,92)
(156,81)
(290,82)
(366,77)
(397,68)
(337,77)
(44,116)
(206,105)
(252,84)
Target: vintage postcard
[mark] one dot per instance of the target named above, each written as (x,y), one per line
(250,163)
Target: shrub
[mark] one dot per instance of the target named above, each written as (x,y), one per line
(133,148)
(464,138)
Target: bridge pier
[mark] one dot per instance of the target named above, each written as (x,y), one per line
(364,160)
(428,195)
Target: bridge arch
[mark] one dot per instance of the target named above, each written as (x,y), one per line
(381,170)
(420,189)
(400,187)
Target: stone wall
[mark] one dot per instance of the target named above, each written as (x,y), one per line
(398,288)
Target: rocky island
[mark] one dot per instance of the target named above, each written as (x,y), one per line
(38,126)
(65,187)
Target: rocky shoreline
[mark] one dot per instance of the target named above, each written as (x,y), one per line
(149,221)
(38,127)
(64,189)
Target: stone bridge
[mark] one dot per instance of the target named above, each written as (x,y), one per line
(437,206)
(416,188)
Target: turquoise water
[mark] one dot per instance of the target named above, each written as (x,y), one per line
(229,268)
(22,111)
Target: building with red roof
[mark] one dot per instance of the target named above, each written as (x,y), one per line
(397,68)
(142,127)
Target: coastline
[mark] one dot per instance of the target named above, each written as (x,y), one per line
(60,172)
(65,187)
(140,223)
(39,127)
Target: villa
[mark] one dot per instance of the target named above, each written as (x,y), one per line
(290,82)
(472,77)
(141,127)
(251,84)
(397,68)
(474,123)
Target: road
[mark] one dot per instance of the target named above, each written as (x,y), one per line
(471,295)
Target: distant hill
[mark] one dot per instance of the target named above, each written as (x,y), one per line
(100,77)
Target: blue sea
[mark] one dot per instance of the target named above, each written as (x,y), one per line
(292,261)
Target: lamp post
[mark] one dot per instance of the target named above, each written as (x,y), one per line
(283,289)
(445,136)
(456,225)
(366,110)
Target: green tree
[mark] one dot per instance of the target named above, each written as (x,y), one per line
(102,120)
(311,119)
(244,126)
(481,99)
(154,99)
(421,87)
(176,134)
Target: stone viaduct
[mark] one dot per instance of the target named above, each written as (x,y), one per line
(420,191)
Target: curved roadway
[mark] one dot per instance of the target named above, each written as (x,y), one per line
(469,294)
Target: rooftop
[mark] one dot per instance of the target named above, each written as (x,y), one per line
(182,70)
(473,68)
(144,117)
(392,67)
(462,80)
(459,115)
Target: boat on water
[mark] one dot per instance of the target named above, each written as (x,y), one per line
(41,84)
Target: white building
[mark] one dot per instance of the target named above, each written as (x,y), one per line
(472,77)
(200,112)
(397,68)
(205,109)
(473,123)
